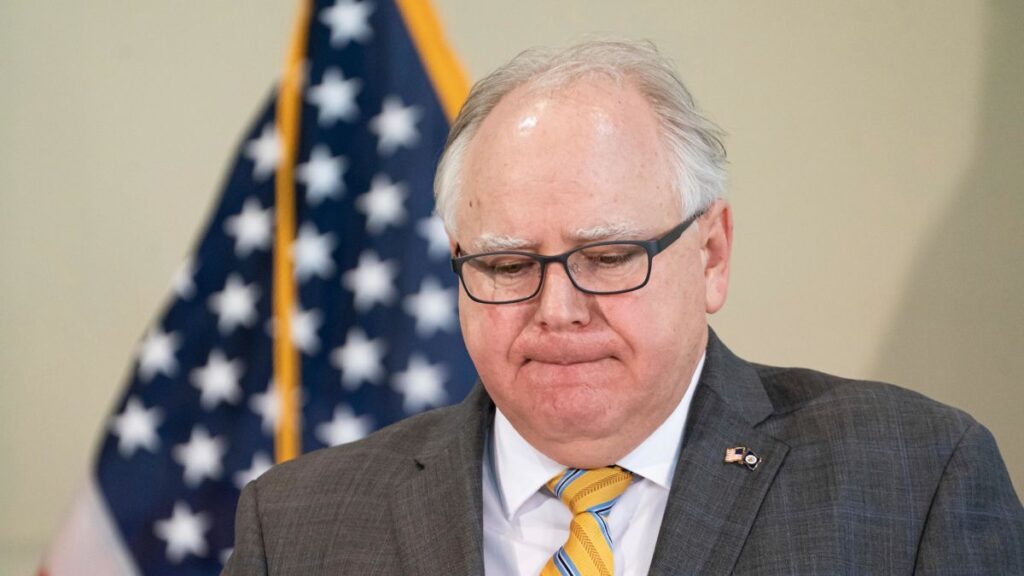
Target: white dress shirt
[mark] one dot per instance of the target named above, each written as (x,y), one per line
(524,524)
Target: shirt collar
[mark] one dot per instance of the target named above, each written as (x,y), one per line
(522,470)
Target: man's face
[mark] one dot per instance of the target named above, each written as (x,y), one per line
(581,377)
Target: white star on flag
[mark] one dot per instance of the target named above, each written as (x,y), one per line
(235,305)
(217,381)
(383,204)
(305,324)
(335,97)
(322,175)
(432,230)
(135,427)
(348,22)
(433,307)
(250,228)
(312,253)
(260,464)
(359,359)
(268,406)
(202,456)
(183,532)
(184,284)
(422,384)
(265,152)
(395,126)
(345,427)
(371,281)
(156,354)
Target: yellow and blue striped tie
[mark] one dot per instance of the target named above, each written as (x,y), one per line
(589,494)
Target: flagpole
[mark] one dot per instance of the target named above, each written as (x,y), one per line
(443,68)
(287,375)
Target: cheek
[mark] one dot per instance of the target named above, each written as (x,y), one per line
(658,320)
(488,332)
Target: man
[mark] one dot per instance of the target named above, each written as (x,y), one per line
(613,432)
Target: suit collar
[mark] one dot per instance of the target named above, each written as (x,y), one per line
(735,382)
(712,504)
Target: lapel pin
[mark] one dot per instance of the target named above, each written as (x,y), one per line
(742,456)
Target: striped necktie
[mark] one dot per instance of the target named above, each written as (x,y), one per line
(589,494)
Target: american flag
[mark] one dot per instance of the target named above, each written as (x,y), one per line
(735,455)
(373,322)
(743,456)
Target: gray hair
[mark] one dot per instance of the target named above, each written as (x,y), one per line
(695,141)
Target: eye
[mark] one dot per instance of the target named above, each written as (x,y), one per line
(615,259)
(513,268)
(506,266)
(612,256)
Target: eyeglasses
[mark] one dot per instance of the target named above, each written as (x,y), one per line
(613,267)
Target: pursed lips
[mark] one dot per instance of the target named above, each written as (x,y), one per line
(565,359)
(566,351)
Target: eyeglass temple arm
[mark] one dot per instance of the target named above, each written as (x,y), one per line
(673,235)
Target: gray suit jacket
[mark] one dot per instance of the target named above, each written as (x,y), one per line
(856,478)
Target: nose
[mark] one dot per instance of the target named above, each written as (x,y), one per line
(560,304)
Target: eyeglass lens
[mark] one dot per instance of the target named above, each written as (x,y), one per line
(502,277)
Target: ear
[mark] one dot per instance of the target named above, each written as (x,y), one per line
(716,249)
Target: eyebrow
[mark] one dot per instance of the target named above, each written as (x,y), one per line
(609,231)
(492,242)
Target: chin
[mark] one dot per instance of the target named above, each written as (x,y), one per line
(577,412)
(563,402)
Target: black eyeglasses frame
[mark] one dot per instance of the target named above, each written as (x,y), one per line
(653,247)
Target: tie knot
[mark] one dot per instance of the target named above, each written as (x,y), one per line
(590,490)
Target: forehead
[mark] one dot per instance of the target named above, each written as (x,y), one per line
(557,161)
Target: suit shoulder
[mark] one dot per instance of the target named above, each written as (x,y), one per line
(861,409)
(367,464)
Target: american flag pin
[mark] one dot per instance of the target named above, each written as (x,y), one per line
(742,456)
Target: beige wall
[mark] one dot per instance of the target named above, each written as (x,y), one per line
(875,176)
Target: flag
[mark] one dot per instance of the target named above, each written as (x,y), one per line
(743,456)
(317,306)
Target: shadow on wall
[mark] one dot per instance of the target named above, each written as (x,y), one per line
(959,332)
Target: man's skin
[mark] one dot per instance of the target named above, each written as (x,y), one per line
(586,378)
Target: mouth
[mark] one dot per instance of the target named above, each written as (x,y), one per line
(564,360)
(563,354)
(567,368)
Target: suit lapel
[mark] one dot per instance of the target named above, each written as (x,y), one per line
(437,512)
(712,505)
